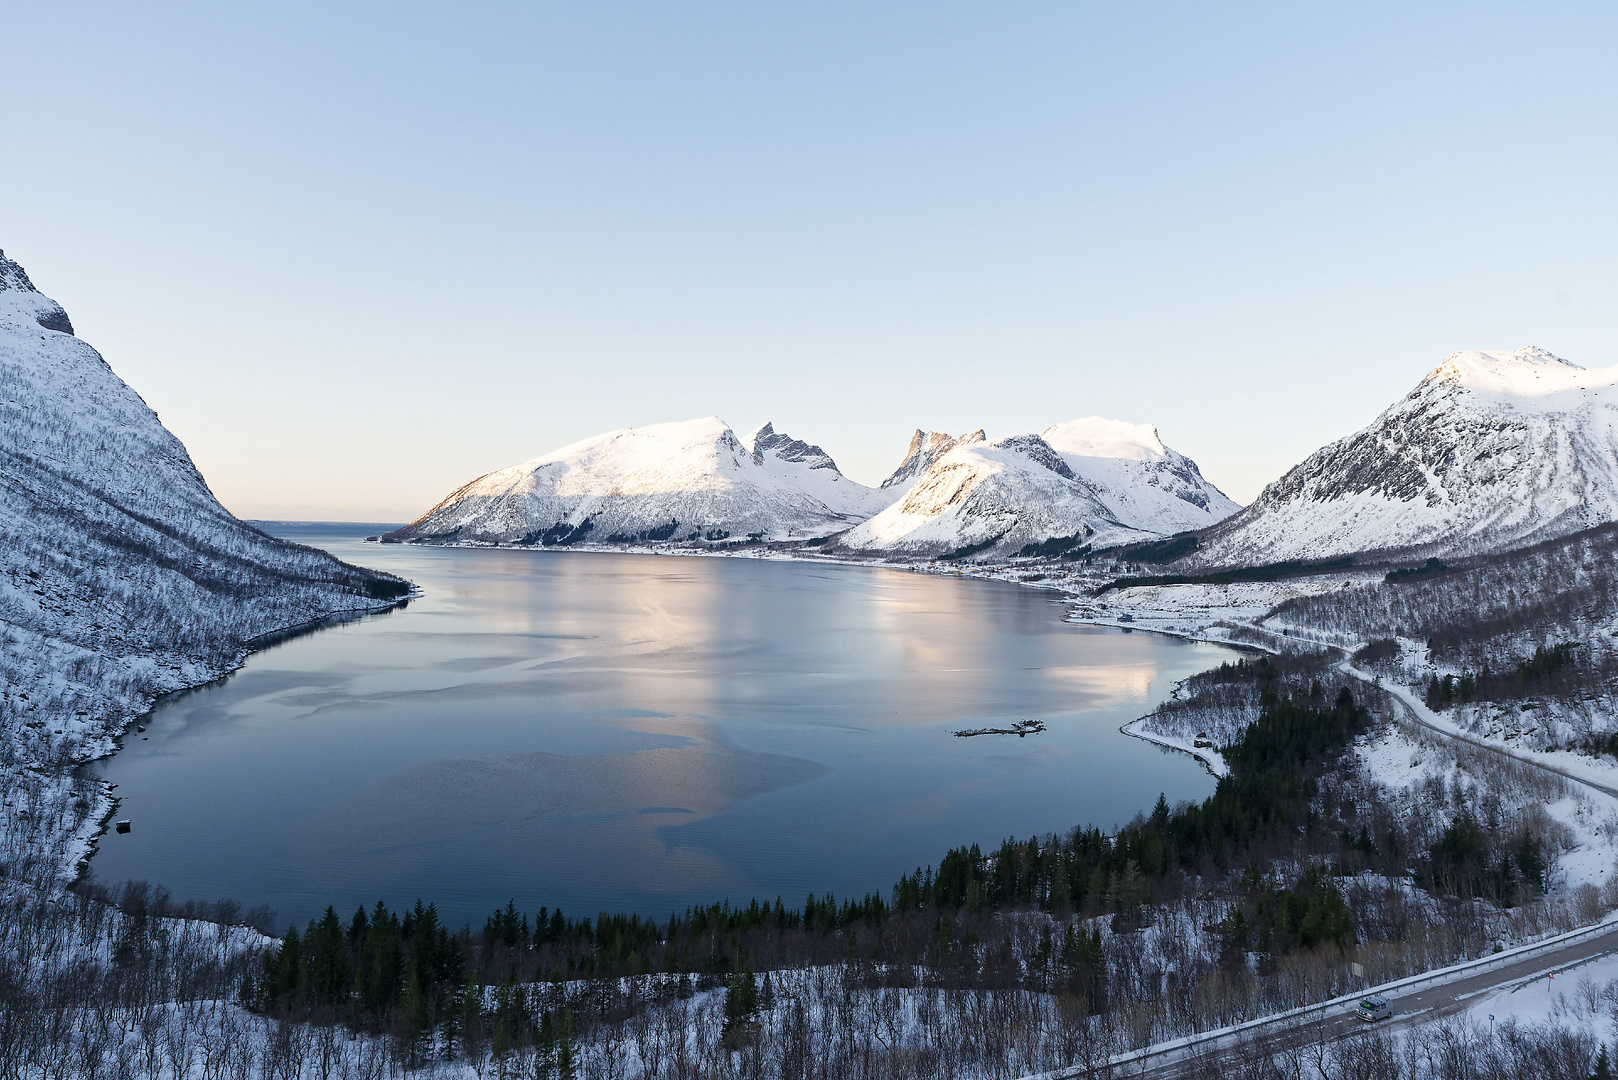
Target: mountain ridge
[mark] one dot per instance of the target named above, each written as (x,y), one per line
(688,481)
(1490,450)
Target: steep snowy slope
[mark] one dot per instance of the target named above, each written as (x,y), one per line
(1144,483)
(664,482)
(992,497)
(1491,450)
(121,576)
(926,447)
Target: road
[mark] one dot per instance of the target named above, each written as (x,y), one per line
(1416,1006)
(1413,710)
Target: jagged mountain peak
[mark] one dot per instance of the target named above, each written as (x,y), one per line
(1103,480)
(1140,479)
(993,497)
(18,296)
(1037,450)
(767,441)
(927,447)
(13,276)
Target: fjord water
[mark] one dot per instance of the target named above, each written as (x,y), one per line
(602,731)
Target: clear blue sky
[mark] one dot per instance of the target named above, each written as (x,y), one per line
(356,255)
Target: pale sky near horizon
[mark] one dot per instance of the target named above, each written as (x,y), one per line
(355,255)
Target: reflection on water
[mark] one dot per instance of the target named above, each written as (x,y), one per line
(638,733)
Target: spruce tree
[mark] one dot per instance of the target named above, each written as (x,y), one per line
(567,1063)
(741,1007)
(1603,1066)
(415,1021)
(766,996)
(283,970)
(500,1046)
(544,1059)
(328,961)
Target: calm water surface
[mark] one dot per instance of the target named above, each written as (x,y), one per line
(636,732)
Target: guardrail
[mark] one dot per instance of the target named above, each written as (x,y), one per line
(1165,1052)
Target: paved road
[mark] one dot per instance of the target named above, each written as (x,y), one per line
(1419,1005)
(1408,700)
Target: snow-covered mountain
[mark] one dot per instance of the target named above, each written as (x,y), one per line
(811,470)
(121,577)
(990,497)
(685,481)
(926,447)
(1143,483)
(1491,450)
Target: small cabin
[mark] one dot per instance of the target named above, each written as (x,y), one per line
(122,826)
(1202,742)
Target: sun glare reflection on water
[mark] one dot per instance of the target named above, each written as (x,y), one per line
(609,731)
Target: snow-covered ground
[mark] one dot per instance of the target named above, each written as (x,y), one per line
(1582,995)
(1208,755)
(1424,772)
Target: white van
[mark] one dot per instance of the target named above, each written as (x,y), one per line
(1372,1009)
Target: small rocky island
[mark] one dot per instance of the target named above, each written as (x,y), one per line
(1018,728)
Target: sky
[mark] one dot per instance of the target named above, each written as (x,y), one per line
(356,255)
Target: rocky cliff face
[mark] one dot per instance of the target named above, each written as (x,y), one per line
(926,447)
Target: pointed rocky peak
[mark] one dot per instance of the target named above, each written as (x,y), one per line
(15,287)
(927,447)
(768,441)
(13,276)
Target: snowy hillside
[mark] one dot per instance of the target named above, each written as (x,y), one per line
(665,482)
(993,497)
(1103,481)
(1144,483)
(1491,450)
(121,577)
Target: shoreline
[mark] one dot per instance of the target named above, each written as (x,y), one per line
(110,808)
(89,843)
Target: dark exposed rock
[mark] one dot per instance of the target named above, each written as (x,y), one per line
(783,446)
